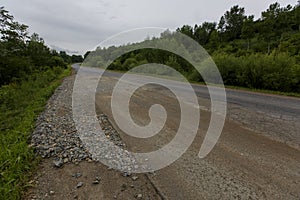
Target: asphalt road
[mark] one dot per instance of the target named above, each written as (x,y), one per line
(243,165)
(271,109)
(256,157)
(274,105)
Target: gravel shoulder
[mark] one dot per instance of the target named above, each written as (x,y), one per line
(67,170)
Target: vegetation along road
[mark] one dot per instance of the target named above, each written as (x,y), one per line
(44,156)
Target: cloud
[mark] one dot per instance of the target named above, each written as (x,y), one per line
(82,25)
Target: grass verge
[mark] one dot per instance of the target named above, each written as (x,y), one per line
(20,104)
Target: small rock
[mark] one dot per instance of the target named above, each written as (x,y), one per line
(132,186)
(134,178)
(97,180)
(58,163)
(80,184)
(152,173)
(51,192)
(125,174)
(124,186)
(139,196)
(77,175)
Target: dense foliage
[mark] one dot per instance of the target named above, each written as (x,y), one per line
(22,55)
(262,53)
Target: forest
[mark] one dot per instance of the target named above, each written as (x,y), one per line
(254,53)
(22,54)
(29,73)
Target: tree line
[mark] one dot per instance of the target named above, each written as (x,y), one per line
(261,54)
(22,55)
(240,34)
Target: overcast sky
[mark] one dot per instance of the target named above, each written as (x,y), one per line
(82,25)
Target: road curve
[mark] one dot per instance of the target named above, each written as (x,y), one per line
(256,157)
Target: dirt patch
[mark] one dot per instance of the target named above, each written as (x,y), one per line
(88,180)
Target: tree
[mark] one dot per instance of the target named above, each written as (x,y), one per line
(221,27)
(232,22)
(65,56)
(76,58)
(295,16)
(20,55)
(213,40)
(187,30)
(268,24)
(202,33)
(86,54)
(10,29)
(36,38)
(248,30)
(37,51)
(12,48)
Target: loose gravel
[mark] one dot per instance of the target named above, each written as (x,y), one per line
(55,135)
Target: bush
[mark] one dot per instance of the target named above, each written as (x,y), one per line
(277,71)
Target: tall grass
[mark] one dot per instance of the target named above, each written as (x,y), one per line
(21,102)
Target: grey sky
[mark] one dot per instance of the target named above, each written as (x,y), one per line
(81,25)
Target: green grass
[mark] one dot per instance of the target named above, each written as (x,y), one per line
(20,104)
